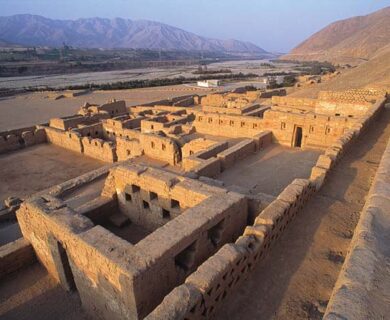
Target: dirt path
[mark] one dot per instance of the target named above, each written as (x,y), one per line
(296,279)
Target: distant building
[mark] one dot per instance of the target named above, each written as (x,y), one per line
(209,83)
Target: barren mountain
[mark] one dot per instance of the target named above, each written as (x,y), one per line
(34,30)
(352,40)
(374,73)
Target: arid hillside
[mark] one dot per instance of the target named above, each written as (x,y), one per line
(353,40)
(374,73)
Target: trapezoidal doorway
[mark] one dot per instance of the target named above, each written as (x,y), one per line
(297,142)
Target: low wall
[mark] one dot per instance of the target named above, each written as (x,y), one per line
(68,140)
(99,149)
(362,290)
(11,142)
(15,255)
(239,151)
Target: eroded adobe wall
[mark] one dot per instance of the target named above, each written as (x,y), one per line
(65,139)
(114,108)
(318,131)
(21,138)
(93,130)
(128,148)
(203,230)
(195,146)
(66,123)
(99,149)
(353,95)
(161,148)
(55,231)
(292,102)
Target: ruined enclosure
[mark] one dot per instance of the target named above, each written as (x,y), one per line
(161,211)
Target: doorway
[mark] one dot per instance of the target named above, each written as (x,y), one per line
(298,137)
(62,264)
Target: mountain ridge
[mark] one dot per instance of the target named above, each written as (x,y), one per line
(355,40)
(33,30)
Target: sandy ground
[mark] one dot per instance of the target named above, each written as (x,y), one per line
(33,169)
(33,294)
(35,108)
(257,172)
(296,280)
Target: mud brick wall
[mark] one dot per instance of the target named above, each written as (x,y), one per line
(111,133)
(318,131)
(128,148)
(68,140)
(99,149)
(114,108)
(161,148)
(353,96)
(201,157)
(238,152)
(93,130)
(64,233)
(196,146)
(300,103)
(17,139)
(202,232)
(66,123)
(15,255)
(228,125)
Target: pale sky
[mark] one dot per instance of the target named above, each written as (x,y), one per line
(275,25)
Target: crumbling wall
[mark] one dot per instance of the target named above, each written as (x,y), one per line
(128,148)
(161,148)
(195,146)
(93,130)
(99,149)
(25,138)
(292,102)
(114,108)
(15,255)
(66,123)
(68,140)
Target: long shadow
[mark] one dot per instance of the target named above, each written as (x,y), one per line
(51,303)
(260,296)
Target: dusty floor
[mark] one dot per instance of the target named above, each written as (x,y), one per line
(32,294)
(296,279)
(258,172)
(33,169)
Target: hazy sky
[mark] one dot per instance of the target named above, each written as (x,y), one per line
(275,25)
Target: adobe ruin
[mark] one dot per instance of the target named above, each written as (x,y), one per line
(164,233)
